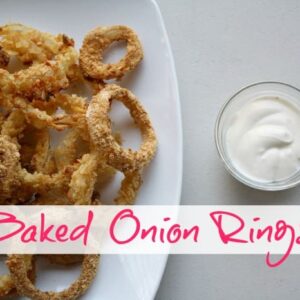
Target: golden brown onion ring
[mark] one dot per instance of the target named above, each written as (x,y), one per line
(42,114)
(7,285)
(17,183)
(94,44)
(30,44)
(39,80)
(99,125)
(25,287)
(48,77)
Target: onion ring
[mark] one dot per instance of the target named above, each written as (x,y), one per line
(54,65)
(31,45)
(91,52)
(40,79)
(99,125)
(7,285)
(18,185)
(14,176)
(25,287)
(41,114)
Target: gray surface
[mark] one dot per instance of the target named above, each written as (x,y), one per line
(220,46)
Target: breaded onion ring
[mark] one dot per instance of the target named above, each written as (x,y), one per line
(14,175)
(40,79)
(94,44)
(30,44)
(18,185)
(25,287)
(48,77)
(42,114)
(7,285)
(99,125)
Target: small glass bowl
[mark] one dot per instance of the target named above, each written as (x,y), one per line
(231,107)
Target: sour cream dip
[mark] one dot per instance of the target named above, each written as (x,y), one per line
(258,136)
(263,138)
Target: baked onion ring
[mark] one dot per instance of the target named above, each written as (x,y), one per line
(94,44)
(25,287)
(7,285)
(17,183)
(99,125)
(40,79)
(53,57)
(30,44)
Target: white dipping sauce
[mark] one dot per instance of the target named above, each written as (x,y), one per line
(263,139)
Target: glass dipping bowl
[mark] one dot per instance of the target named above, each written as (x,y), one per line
(231,107)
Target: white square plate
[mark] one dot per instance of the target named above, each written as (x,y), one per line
(154,82)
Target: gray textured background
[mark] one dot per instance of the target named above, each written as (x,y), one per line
(220,46)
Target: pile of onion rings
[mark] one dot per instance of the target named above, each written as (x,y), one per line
(35,101)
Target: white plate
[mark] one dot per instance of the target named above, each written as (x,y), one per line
(154,82)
